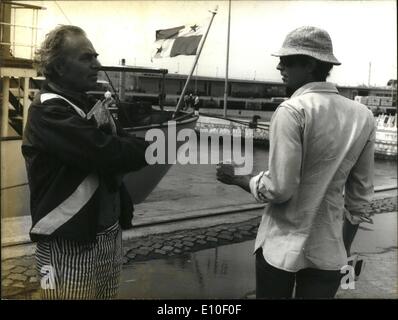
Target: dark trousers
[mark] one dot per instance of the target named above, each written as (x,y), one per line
(273,283)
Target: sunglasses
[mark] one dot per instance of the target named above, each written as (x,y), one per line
(291,61)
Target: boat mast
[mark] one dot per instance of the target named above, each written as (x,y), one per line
(180,100)
(370,70)
(227,61)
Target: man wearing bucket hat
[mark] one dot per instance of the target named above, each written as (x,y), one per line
(321,146)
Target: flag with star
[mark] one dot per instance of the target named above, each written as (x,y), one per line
(182,40)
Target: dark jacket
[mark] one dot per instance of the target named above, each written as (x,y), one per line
(67,157)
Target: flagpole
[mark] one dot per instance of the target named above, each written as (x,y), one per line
(227,63)
(180,100)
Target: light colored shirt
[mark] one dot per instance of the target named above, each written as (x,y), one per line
(321,146)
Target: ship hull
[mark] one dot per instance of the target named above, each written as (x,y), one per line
(142,182)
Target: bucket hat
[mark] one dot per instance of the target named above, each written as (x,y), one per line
(309,41)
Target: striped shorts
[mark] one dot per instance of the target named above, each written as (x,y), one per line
(75,270)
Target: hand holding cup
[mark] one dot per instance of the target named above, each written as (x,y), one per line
(226,173)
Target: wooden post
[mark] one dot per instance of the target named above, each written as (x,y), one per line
(122,82)
(25,102)
(4,106)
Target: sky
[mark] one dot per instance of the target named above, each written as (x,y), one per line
(364,34)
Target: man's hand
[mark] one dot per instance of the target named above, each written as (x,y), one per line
(226,174)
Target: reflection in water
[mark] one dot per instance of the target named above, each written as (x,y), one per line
(221,272)
(215,260)
(379,237)
(228,271)
(198,272)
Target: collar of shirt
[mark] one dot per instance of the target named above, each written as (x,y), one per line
(81,99)
(316,87)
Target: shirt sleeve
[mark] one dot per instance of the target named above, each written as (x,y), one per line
(281,181)
(359,187)
(59,132)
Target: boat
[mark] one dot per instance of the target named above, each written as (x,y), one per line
(384,110)
(142,182)
(138,113)
(234,127)
(386,136)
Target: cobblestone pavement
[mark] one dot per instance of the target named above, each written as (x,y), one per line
(19,278)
